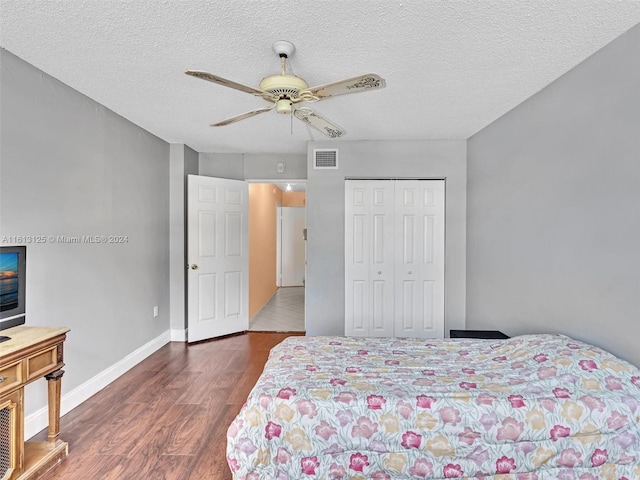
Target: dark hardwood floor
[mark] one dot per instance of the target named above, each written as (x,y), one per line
(167,417)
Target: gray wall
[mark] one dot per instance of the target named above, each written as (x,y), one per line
(554,208)
(253,166)
(223,165)
(70,167)
(183,162)
(263,166)
(325,219)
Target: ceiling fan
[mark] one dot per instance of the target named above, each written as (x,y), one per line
(286,92)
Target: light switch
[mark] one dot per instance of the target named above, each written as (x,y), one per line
(280,167)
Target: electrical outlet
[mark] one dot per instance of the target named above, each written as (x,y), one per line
(155,311)
(280,167)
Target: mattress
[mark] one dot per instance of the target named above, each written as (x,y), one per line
(530,407)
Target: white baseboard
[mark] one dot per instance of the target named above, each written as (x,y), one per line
(40,419)
(178,335)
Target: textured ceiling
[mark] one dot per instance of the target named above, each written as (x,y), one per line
(452,67)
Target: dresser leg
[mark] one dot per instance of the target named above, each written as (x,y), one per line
(54,382)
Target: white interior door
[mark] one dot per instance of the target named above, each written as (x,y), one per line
(218,256)
(292,255)
(419,273)
(369,258)
(356,258)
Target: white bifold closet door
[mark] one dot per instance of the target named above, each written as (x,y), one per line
(394,258)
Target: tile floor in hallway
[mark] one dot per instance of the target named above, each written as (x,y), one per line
(283,313)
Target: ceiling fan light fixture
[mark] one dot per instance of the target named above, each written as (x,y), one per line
(284,106)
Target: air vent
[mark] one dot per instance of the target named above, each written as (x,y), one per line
(324,158)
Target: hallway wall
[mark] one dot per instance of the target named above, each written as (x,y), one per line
(263,200)
(294,199)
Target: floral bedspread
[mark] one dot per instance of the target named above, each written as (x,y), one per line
(530,407)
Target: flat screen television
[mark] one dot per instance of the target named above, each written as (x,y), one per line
(13,270)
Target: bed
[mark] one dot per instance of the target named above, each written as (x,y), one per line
(530,407)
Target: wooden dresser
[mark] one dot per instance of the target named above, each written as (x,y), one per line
(31,354)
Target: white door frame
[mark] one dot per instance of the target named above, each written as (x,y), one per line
(278,246)
(292,246)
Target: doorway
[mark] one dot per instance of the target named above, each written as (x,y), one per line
(277,256)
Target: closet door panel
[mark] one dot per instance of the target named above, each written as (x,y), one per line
(382,258)
(419,278)
(357,260)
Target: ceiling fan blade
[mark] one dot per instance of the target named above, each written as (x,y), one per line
(363,83)
(242,116)
(321,124)
(228,83)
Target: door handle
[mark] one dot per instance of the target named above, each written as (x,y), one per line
(193,266)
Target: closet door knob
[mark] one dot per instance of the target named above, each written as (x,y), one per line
(410,272)
(379,272)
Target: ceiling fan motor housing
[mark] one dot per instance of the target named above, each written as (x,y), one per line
(283,86)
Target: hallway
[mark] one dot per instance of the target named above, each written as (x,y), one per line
(283,313)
